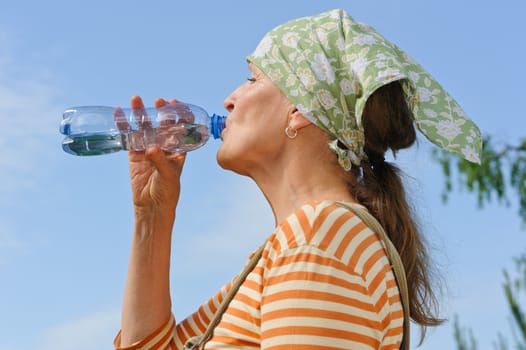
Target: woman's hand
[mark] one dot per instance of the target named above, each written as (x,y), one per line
(155,175)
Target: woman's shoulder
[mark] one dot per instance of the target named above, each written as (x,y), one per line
(324,225)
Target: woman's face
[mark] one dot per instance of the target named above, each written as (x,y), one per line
(254,133)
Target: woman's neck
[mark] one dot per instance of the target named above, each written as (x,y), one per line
(300,182)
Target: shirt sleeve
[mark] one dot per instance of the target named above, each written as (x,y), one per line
(173,336)
(161,338)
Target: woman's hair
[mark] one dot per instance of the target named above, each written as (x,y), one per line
(388,124)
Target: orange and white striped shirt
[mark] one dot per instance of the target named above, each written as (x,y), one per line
(323,282)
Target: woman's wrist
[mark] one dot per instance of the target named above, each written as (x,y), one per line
(157,221)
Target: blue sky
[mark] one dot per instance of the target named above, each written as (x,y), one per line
(65,221)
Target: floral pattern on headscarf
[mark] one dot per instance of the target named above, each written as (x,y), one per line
(328,65)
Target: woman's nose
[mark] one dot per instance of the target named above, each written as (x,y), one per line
(229,102)
(231,99)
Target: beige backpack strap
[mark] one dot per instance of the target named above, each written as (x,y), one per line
(198,342)
(394,258)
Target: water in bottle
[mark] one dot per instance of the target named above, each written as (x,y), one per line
(179,127)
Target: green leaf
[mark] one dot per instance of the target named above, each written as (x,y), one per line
(501,175)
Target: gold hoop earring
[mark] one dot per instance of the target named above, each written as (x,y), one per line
(288,130)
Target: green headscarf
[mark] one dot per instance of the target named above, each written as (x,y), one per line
(328,65)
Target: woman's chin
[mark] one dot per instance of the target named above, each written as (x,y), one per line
(227,161)
(223,159)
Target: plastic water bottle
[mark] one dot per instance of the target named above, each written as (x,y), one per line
(179,127)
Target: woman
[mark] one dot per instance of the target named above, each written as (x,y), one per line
(326,99)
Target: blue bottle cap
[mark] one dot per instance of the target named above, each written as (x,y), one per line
(217,125)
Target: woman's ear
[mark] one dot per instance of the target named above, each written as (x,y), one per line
(297,120)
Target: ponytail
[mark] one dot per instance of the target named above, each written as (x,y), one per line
(388,125)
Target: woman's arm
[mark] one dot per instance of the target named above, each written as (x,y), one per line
(155,180)
(147,302)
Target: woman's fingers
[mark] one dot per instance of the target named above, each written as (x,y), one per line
(171,134)
(159,103)
(169,131)
(166,113)
(139,113)
(136,102)
(120,120)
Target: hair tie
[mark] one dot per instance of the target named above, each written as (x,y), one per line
(375,158)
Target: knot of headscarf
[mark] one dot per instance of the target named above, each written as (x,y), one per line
(328,65)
